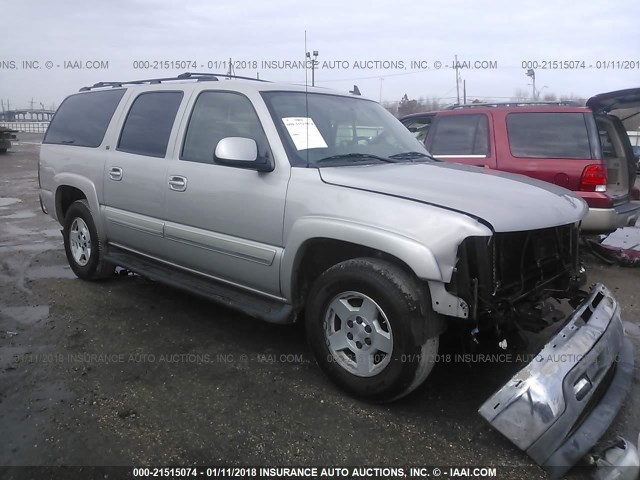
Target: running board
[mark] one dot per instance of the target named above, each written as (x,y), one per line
(253,305)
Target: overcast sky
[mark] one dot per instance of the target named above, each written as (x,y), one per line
(348,33)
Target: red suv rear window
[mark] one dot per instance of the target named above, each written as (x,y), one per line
(548,135)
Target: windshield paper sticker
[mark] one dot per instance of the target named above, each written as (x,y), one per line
(304,133)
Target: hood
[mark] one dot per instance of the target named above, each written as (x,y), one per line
(606,102)
(507,202)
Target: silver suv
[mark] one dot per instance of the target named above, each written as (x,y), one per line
(290,202)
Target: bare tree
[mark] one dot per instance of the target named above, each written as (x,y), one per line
(392,107)
(406,106)
(573,98)
(520,95)
(430,104)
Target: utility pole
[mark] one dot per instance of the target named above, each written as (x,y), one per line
(31,104)
(457,79)
(381,80)
(464,92)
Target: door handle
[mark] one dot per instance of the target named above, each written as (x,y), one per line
(177,183)
(115,174)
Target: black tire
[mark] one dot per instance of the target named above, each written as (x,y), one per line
(3,150)
(403,308)
(92,265)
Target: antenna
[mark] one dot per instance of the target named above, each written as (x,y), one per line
(306,94)
(231,72)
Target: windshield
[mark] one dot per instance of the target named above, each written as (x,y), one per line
(328,130)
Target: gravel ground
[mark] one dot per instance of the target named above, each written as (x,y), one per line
(129,372)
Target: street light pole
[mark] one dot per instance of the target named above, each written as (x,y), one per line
(531,73)
(314,63)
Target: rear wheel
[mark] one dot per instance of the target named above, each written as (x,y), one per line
(365,324)
(82,245)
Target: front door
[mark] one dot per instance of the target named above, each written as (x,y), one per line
(222,221)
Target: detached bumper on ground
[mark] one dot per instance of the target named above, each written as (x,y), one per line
(558,406)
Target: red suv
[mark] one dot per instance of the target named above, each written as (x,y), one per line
(584,149)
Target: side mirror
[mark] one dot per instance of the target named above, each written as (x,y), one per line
(241,152)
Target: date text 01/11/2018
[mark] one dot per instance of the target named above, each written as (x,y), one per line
(580,64)
(315,472)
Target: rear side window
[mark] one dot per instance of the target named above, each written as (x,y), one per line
(548,135)
(419,127)
(149,122)
(83,118)
(217,115)
(460,135)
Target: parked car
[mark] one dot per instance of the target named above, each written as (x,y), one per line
(288,203)
(6,135)
(583,149)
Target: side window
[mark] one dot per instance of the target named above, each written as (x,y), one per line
(83,118)
(610,141)
(460,135)
(217,115)
(608,149)
(419,127)
(548,135)
(148,125)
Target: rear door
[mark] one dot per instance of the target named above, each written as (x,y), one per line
(135,172)
(612,110)
(462,137)
(618,157)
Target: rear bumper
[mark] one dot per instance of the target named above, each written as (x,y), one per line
(606,220)
(558,406)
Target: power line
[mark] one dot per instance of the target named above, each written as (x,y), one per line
(375,76)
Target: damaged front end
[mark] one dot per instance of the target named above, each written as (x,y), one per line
(560,404)
(505,278)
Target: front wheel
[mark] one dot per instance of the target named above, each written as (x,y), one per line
(366,320)
(82,245)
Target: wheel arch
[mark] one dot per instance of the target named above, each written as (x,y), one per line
(319,243)
(72,187)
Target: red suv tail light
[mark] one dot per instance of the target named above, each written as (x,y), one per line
(594,179)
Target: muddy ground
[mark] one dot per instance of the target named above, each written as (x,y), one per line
(129,372)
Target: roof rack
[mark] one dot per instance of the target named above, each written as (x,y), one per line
(200,77)
(567,103)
